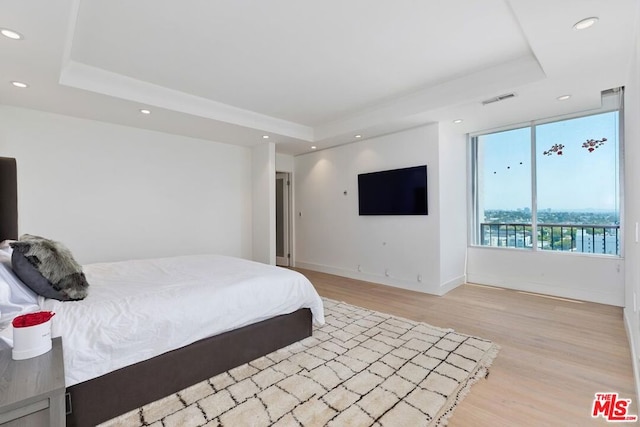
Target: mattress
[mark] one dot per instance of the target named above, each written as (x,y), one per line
(142,308)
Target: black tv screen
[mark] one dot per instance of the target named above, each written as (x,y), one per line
(393,192)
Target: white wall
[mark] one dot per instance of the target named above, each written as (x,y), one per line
(332,237)
(264,203)
(453,206)
(588,278)
(284,163)
(112,192)
(632,209)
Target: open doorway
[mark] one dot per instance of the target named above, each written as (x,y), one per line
(283,219)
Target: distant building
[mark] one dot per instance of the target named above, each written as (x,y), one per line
(510,238)
(597,244)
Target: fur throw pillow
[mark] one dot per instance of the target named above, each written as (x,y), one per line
(48,268)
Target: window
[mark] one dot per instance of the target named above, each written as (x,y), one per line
(552,186)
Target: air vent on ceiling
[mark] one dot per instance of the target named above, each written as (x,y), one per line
(498,98)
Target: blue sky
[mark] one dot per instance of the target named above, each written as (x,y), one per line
(577,179)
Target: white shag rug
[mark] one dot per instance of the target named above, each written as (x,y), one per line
(362,368)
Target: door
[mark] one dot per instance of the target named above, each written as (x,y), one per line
(282,219)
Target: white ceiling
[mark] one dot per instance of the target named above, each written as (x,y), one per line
(312,72)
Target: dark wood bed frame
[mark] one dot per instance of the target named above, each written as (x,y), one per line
(100,399)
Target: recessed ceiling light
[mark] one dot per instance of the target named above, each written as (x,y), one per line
(10,34)
(585,23)
(265,136)
(563,97)
(145,111)
(357,136)
(458,121)
(313,147)
(20,84)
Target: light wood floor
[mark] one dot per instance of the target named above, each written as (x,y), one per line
(555,354)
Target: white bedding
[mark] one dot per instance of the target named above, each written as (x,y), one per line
(140,309)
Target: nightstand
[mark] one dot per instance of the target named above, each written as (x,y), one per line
(32,390)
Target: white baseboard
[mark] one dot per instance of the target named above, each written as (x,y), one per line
(518,284)
(628,326)
(452,284)
(429,288)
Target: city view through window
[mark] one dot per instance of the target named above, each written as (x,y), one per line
(575,164)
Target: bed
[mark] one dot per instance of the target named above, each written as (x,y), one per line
(185,356)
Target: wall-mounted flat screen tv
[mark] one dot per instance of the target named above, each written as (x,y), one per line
(393,192)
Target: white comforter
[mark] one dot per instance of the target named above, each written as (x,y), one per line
(140,309)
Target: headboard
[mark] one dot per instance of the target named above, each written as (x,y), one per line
(8,199)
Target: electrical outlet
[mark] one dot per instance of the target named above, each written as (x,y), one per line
(359,268)
(420,278)
(386,272)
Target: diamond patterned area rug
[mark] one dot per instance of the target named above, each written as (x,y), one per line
(362,368)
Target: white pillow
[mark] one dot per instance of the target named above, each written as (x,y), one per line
(5,248)
(15,297)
